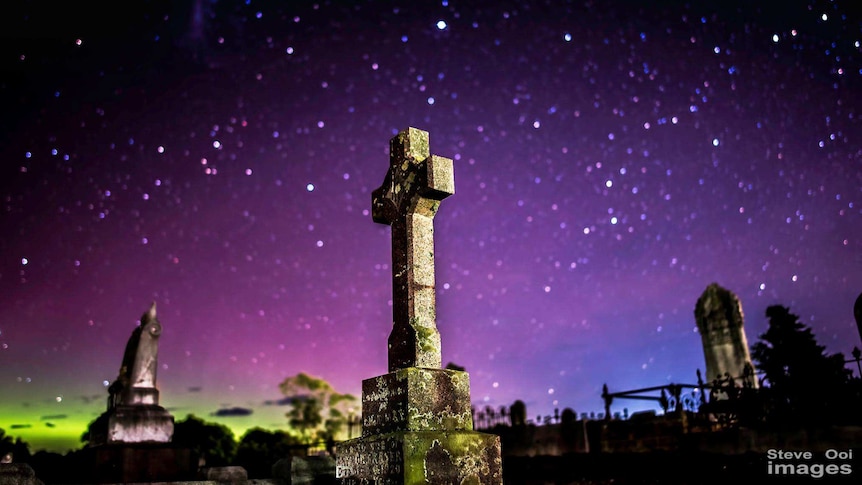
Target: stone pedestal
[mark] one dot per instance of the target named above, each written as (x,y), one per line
(417,428)
(136,463)
(132,424)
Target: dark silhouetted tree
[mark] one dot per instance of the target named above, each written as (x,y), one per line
(802,383)
(16,449)
(213,442)
(305,416)
(259,449)
(53,467)
(6,443)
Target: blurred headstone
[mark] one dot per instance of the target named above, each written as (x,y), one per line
(134,414)
(131,440)
(719,318)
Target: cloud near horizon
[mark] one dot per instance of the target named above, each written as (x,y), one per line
(234,411)
(53,417)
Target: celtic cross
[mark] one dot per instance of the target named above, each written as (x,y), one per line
(408,200)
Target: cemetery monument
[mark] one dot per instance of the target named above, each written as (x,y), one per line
(417,425)
(719,318)
(134,414)
(130,441)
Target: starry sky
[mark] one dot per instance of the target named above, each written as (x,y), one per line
(612,159)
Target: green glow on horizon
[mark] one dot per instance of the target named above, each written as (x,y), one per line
(62,437)
(54,427)
(64,434)
(67,437)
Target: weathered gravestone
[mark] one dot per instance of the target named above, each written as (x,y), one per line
(134,414)
(417,424)
(130,442)
(720,320)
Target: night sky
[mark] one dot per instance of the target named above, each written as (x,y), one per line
(612,159)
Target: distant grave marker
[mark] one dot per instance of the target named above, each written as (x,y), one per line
(134,414)
(720,321)
(131,440)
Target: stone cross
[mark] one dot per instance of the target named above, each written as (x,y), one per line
(417,426)
(408,200)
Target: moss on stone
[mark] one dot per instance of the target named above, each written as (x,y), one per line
(427,338)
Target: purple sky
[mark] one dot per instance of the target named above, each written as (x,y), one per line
(611,159)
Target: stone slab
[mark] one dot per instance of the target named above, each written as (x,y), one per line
(416,399)
(421,457)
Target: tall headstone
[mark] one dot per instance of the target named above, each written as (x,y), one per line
(417,424)
(719,318)
(130,441)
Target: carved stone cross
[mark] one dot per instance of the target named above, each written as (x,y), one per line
(408,200)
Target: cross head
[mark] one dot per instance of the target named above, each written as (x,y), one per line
(408,200)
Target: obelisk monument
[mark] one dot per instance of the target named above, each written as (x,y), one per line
(417,425)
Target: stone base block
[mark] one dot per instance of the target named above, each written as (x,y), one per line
(132,424)
(416,399)
(421,457)
(139,463)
